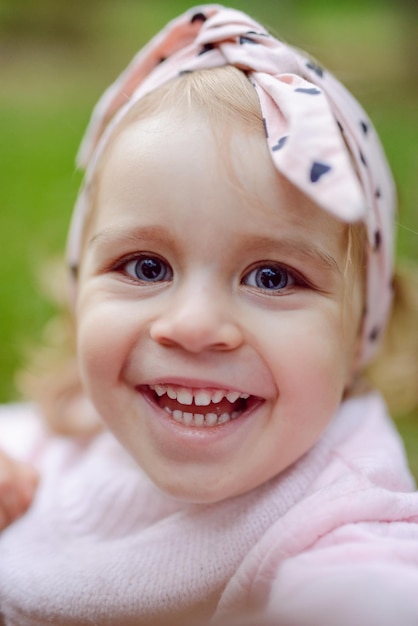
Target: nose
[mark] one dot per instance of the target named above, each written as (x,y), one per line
(197,321)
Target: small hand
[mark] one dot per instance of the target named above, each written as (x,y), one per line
(18,482)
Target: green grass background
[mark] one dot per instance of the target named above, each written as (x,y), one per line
(56,58)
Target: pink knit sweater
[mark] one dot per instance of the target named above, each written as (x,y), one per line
(333,541)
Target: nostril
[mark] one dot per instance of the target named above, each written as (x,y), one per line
(204,330)
(165,341)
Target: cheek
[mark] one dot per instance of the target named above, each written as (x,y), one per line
(104,338)
(310,369)
(308,351)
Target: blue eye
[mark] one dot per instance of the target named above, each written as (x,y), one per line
(148,269)
(269,278)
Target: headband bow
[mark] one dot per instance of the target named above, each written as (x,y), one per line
(310,120)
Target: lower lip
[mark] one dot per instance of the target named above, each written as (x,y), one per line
(195,437)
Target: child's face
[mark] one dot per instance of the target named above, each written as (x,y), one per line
(217,323)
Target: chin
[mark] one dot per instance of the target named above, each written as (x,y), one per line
(194,493)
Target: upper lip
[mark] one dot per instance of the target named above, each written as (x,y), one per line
(195,384)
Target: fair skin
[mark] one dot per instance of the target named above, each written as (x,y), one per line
(216,330)
(18,483)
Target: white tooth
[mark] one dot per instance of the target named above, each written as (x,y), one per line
(218,395)
(184,396)
(168,410)
(172,393)
(211,419)
(159,390)
(202,398)
(178,415)
(225,417)
(199,419)
(235,414)
(244,396)
(187,418)
(232,396)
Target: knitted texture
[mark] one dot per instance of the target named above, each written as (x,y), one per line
(101,545)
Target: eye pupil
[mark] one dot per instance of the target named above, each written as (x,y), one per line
(150,269)
(271,278)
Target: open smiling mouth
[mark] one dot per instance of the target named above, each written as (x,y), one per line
(200,407)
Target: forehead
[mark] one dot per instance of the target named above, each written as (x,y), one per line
(177,167)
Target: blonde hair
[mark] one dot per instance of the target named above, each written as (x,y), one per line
(395,370)
(224,94)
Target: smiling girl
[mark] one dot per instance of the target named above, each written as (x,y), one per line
(231,253)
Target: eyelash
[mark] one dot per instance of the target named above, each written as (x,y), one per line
(152,266)
(289,278)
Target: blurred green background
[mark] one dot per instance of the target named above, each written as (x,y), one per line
(56,58)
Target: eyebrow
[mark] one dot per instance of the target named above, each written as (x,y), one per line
(296,247)
(129,236)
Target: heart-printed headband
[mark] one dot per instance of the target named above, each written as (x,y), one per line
(310,120)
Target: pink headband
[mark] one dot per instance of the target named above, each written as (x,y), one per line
(309,117)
